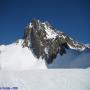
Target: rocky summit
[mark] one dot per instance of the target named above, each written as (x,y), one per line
(46,41)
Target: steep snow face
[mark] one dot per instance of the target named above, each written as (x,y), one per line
(50,32)
(15,57)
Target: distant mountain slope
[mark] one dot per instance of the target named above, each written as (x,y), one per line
(73,59)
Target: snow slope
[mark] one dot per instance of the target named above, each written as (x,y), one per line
(15,57)
(72,59)
(55,79)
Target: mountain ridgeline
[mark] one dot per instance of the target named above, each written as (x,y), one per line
(46,42)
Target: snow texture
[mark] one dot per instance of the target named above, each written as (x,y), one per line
(56,79)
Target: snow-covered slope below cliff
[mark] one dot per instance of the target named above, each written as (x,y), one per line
(72,59)
(15,57)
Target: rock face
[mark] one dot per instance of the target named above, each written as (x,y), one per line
(46,42)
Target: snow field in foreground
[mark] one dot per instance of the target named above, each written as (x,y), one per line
(55,79)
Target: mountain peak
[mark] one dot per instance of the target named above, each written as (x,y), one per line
(43,45)
(47,42)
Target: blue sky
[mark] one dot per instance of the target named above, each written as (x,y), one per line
(69,16)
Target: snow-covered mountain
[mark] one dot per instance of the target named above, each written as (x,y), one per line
(15,57)
(47,42)
(42,47)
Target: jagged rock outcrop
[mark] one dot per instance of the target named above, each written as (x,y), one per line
(46,41)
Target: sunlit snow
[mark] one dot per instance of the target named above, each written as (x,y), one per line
(15,57)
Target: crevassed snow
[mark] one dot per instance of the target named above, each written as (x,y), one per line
(56,79)
(15,57)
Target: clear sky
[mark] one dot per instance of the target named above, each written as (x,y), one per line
(69,16)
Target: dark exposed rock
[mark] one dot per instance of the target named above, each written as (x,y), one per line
(42,46)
